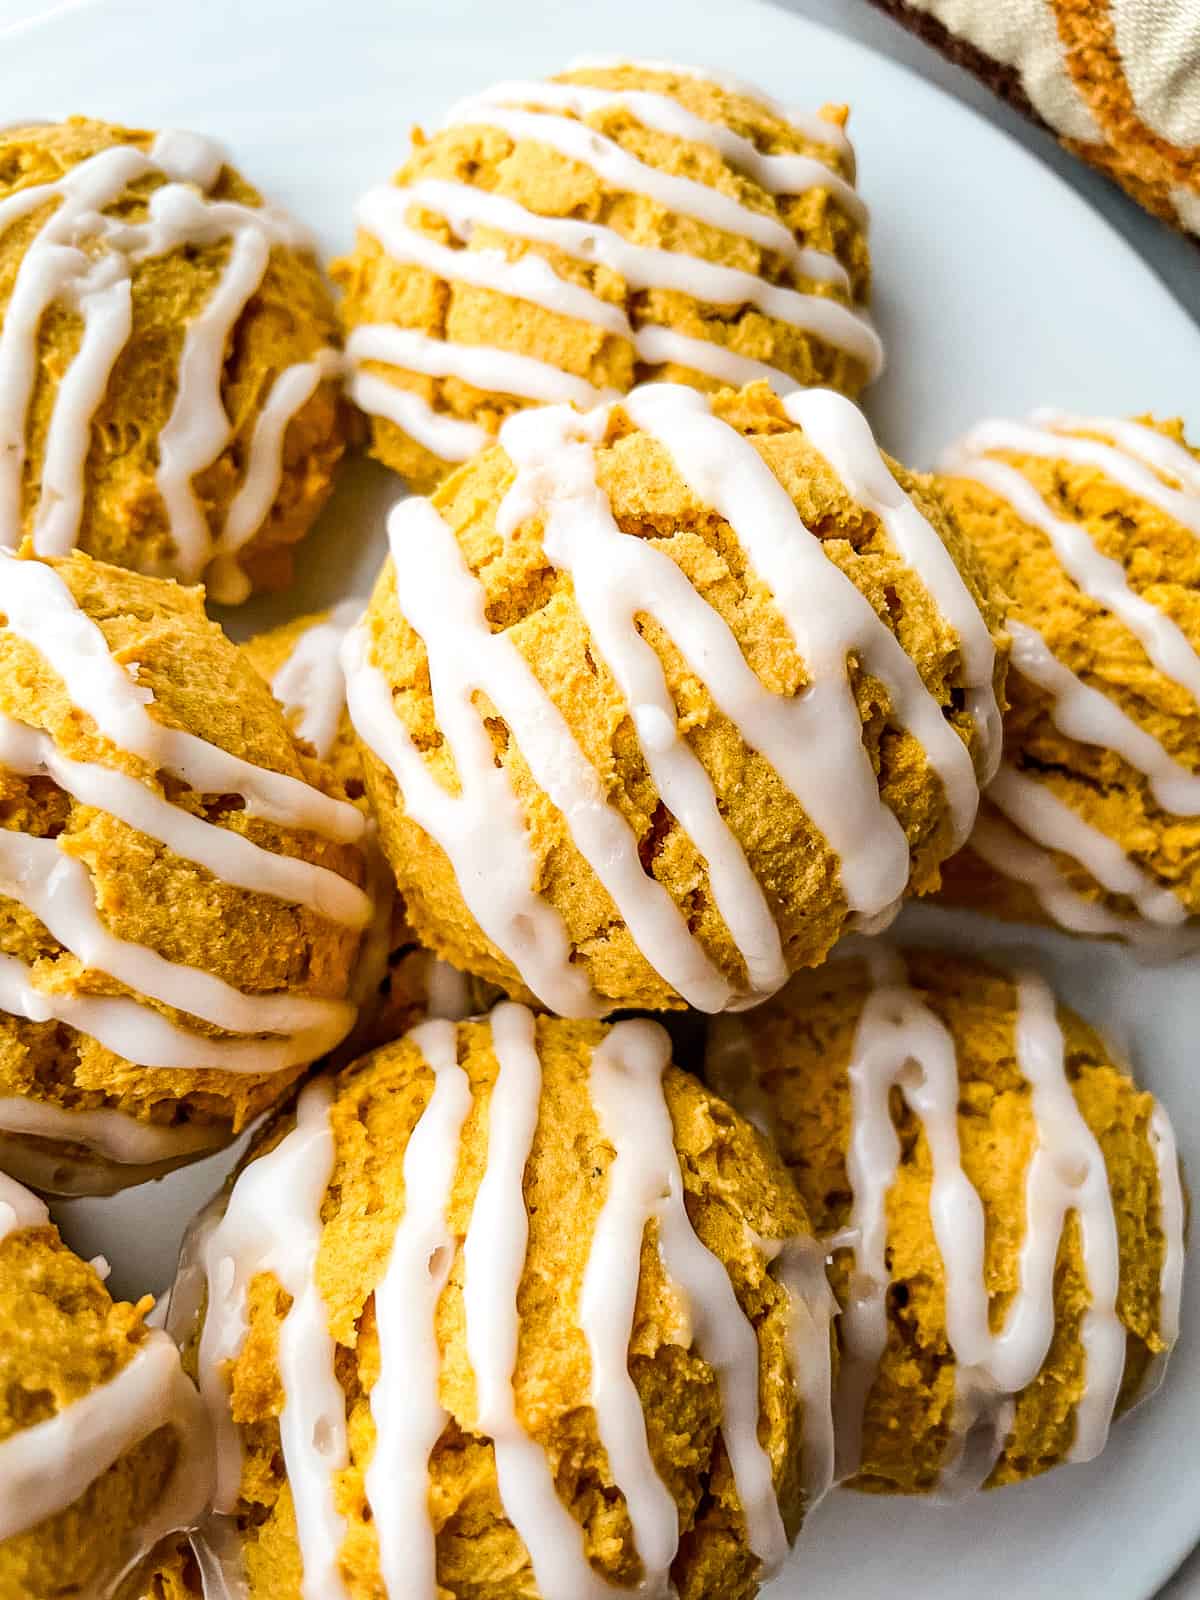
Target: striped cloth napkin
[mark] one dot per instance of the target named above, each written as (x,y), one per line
(1117,80)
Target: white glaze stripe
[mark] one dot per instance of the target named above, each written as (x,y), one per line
(45,1468)
(444,603)
(837,430)
(630,1121)
(494,1263)
(56,268)
(1083,713)
(1038,812)
(1007,851)
(627,1070)
(273,1224)
(19,1208)
(1095,574)
(1173,1222)
(900,1044)
(829,619)
(1066,1174)
(442,435)
(310,686)
(615,578)
(229,856)
(407,1413)
(482,366)
(481,829)
(114,1135)
(37,606)
(251,505)
(198,429)
(107,313)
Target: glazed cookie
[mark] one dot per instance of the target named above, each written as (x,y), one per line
(1010,1275)
(562,241)
(1093,824)
(104,1443)
(182,900)
(655,701)
(512,1308)
(169,369)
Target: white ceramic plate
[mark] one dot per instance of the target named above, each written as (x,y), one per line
(997,289)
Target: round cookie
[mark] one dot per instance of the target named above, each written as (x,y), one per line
(104,1443)
(512,1308)
(1010,1270)
(562,241)
(170,378)
(1091,525)
(668,695)
(180,883)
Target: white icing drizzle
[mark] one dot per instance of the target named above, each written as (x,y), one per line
(19,1209)
(900,1043)
(442,435)
(310,685)
(273,1224)
(225,578)
(837,430)
(38,607)
(382,212)
(229,856)
(627,1091)
(494,1260)
(116,1136)
(830,620)
(58,268)
(1009,852)
(481,365)
(1037,811)
(631,1114)
(407,1413)
(45,1468)
(139,1034)
(1137,458)
(1172,1209)
(1084,713)
(799,1267)
(482,828)
(616,577)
